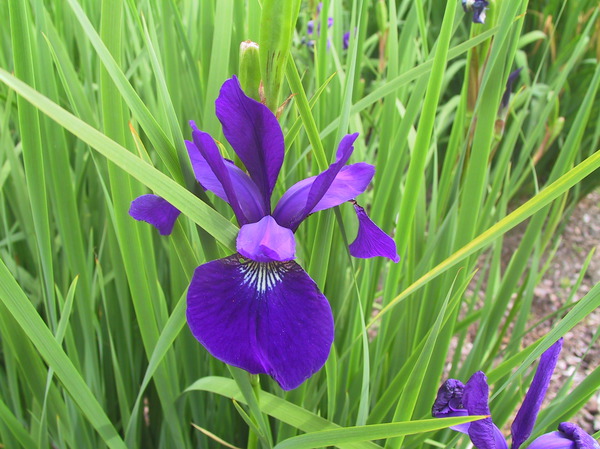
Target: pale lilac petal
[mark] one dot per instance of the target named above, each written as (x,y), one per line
(371,241)
(553,440)
(527,414)
(248,195)
(266,241)
(156,211)
(483,433)
(351,181)
(255,135)
(304,197)
(263,317)
(576,434)
(210,152)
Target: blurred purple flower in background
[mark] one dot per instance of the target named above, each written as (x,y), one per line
(478,8)
(346,40)
(456,399)
(310,30)
(258,309)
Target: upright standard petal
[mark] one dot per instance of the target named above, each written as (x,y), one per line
(209,151)
(483,433)
(266,241)
(351,181)
(248,195)
(527,414)
(262,317)
(371,241)
(303,199)
(155,210)
(255,135)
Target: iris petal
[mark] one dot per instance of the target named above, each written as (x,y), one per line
(527,414)
(552,440)
(371,241)
(263,317)
(255,135)
(483,433)
(351,181)
(209,151)
(576,434)
(156,211)
(305,197)
(266,241)
(248,195)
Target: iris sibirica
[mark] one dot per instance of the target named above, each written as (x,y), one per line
(258,309)
(457,399)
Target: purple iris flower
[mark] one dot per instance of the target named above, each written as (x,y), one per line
(258,309)
(478,8)
(456,399)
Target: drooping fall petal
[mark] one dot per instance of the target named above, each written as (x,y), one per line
(262,317)
(371,241)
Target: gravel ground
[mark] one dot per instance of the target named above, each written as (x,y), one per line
(580,354)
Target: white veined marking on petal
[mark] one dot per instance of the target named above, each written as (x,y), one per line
(262,276)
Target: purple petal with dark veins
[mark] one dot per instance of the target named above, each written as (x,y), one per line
(304,197)
(156,211)
(210,152)
(371,241)
(448,402)
(266,241)
(262,317)
(553,440)
(483,433)
(248,195)
(576,434)
(527,414)
(351,181)
(255,135)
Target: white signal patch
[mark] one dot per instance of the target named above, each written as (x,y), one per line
(262,276)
